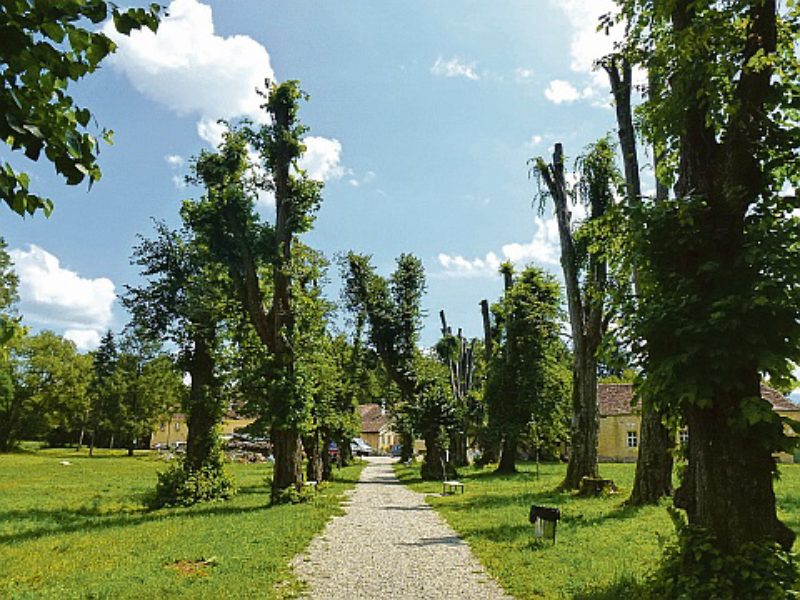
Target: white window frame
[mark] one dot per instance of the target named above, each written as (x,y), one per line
(632,439)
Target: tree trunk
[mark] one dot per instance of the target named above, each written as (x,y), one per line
(654,463)
(130,449)
(508,456)
(407,446)
(458,449)
(585,422)
(111,442)
(432,465)
(288,461)
(313,457)
(345,456)
(653,478)
(727,487)
(327,463)
(91,444)
(202,417)
(585,316)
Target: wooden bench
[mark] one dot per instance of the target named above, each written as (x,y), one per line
(451,487)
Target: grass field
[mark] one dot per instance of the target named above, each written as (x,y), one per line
(603,549)
(82,531)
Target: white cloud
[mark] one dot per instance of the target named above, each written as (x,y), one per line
(190,69)
(57,297)
(322,158)
(587,45)
(174,160)
(368,177)
(211,131)
(543,249)
(454,67)
(522,74)
(560,91)
(534,141)
(84,339)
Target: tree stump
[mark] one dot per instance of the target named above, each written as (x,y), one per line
(596,486)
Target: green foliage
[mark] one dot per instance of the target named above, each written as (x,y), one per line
(51,382)
(527,386)
(181,485)
(693,567)
(44,46)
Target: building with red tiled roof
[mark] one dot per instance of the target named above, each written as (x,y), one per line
(620,423)
(376,427)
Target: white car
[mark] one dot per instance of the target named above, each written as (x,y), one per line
(360,448)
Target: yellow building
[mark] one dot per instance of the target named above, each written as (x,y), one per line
(376,427)
(170,432)
(175,429)
(620,422)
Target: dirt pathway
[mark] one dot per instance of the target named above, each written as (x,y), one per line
(391,544)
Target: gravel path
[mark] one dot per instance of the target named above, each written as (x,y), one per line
(391,544)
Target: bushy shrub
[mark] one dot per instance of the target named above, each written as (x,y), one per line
(180,485)
(293,495)
(693,567)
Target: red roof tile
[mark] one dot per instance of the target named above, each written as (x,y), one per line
(615,399)
(373,418)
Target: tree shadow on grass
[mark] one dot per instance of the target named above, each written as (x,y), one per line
(624,588)
(83,519)
(790,507)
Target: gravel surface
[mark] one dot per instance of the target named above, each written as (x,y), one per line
(391,544)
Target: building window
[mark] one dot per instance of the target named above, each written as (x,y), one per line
(633,439)
(177,426)
(683,436)
(163,426)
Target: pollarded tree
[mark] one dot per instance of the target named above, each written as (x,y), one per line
(458,354)
(585,276)
(720,262)
(248,247)
(392,311)
(523,390)
(653,478)
(184,302)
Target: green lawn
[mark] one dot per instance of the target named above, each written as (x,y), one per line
(82,531)
(603,548)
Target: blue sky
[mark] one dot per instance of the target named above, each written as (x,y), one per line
(422,117)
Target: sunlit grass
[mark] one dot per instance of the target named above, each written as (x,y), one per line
(82,531)
(603,549)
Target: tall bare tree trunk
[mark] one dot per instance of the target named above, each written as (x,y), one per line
(653,478)
(585,316)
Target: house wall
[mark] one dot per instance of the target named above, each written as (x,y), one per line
(170,431)
(230,426)
(371,438)
(176,429)
(612,438)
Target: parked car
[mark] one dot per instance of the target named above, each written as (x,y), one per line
(360,448)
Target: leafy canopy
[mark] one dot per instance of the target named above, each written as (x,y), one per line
(44,46)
